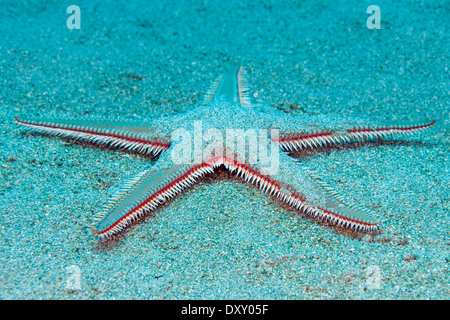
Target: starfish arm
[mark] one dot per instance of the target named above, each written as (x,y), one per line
(130,136)
(301,189)
(318,200)
(145,193)
(298,141)
(333,212)
(308,195)
(343,213)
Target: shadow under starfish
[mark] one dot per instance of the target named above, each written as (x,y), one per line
(226,109)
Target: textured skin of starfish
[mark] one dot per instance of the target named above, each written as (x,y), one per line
(215,128)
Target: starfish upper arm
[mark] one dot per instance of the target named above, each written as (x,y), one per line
(303,140)
(131,136)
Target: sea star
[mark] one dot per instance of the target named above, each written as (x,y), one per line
(219,129)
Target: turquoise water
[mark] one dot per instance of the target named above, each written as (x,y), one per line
(223,240)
